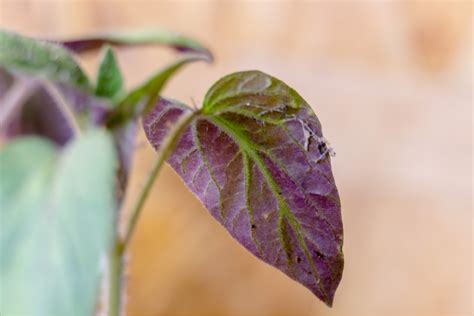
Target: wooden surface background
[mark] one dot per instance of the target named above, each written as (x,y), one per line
(391,83)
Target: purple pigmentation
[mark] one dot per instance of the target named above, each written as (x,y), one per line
(257,160)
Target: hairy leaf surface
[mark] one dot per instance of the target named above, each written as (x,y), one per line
(57,219)
(257,160)
(40,59)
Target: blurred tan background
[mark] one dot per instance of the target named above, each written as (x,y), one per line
(391,83)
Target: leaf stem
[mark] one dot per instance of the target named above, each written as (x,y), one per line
(164,151)
(117,254)
(115,275)
(64,107)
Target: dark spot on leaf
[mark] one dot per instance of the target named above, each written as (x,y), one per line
(322,147)
(319,254)
(298,259)
(253,226)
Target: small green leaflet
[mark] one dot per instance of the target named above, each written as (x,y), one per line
(109,79)
(57,219)
(140,99)
(137,102)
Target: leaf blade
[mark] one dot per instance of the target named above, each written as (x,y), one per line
(256,160)
(41,115)
(109,81)
(41,59)
(57,226)
(151,36)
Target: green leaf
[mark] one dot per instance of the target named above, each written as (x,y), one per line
(41,59)
(142,37)
(109,78)
(143,97)
(57,219)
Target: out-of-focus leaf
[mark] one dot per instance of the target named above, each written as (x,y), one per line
(13,98)
(40,114)
(142,37)
(142,98)
(257,160)
(57,219)
(6,81)
(109,79)
(40,59)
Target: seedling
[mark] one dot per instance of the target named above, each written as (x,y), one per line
(253,153)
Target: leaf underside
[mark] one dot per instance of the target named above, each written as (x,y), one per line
(132,38)
(257,160)
(40,114)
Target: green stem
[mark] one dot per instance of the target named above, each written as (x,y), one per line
(164,151)
(116,257)
(115,287)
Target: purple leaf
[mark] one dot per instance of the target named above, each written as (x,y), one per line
(257,160)
(40,114)
(6,81)
(142,37)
